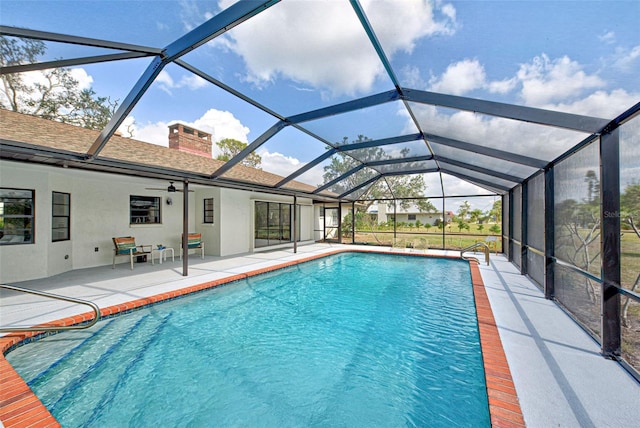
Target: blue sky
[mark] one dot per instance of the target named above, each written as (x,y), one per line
(575,56)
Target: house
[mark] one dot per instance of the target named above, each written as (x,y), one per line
(410,214)
(59,216)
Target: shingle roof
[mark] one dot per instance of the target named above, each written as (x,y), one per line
(61,136)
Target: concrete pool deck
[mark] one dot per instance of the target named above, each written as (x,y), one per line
(559,375)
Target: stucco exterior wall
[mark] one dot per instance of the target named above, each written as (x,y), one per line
(100,211)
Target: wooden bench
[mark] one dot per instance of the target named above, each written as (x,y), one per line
(126,246)
(194,242)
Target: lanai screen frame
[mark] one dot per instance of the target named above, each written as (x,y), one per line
(605,130)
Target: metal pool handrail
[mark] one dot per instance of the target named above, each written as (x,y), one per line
(93,306)
(485,250)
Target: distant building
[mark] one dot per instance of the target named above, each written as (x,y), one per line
(409,215)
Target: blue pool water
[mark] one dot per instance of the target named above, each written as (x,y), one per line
(352,340)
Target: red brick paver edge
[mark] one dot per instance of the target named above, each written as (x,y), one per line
(504,406)
(19,406)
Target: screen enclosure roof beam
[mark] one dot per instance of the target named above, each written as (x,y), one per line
(482,170)
(474,180)
(557,119)
(74,40)
(488,151)
(23,68)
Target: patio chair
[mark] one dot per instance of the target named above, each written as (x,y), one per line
(194,243)
(126,246)
(492,243)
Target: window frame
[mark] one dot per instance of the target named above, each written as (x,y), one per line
(55,216)
(156,202)
(31,217)
(211,211)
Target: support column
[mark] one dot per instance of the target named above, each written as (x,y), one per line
(324,222)
(610,229)
(339,222)
(510,232)
(353,222)
(185,228)
(444,221)
(295,224)
(524,250)
(549,233)
(395,220)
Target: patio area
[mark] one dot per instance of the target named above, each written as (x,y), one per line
(560,377)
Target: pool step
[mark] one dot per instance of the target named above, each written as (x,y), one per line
(97,386)
(75,361)
(70,372)
(41,356)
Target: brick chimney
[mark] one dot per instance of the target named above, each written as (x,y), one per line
(189,140)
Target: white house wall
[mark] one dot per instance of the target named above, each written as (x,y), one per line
(210,232)
(100,211)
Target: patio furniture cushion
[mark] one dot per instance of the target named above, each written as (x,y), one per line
(124,245)
(194,240)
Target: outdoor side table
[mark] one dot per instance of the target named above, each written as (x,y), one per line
(162,253)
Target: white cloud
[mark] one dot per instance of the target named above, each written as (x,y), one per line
(609,37)
(80,75)
(546,81)
(502,86)
(466,76)
(270,52)
(460,78)
(220,124)
(278,163)
(166,83)
(625,59)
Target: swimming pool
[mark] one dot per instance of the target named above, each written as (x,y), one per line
(348,340)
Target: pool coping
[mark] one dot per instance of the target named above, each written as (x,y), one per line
(20,407)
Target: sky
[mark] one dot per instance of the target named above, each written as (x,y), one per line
(581,57)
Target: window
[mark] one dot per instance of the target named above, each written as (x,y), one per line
(60,216)
(16,216)
(411,217)
(273,224)
(144,209)
(208,211)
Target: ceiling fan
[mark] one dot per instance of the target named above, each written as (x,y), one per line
(170,189)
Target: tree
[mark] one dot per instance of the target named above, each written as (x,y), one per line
(230,148)
(593,187)
(390,187)
(54,95)
(462,224)
(496,211)
(630,207)
(475,215)
(464,209)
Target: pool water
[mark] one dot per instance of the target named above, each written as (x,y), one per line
(351,340)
